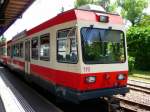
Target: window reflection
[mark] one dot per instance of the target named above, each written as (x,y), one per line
(102,45)
(35,48)
(44,47)
(66,45)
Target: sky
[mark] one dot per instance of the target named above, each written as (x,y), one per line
(38,12)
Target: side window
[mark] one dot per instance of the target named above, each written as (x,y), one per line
(67,46)
(27,50)
(45,47)
(35,48)
(21,50)
(17,50)
(4,51)
(14,51)
(8,50)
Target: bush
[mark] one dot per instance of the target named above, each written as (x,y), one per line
(131,61)
(138,40)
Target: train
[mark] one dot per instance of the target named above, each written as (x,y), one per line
(78,55)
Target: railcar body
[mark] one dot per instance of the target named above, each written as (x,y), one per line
(78,55)
(9,53)
(3,53)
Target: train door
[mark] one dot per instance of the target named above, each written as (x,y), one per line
(27,56)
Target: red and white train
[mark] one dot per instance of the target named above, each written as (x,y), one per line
(77,55)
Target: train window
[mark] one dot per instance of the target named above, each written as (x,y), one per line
(66,46)
(45,47)
(27,50)
(0,51)
(3,51)
(35,48)
(102,46)
(8,51)
(17,50)
(21,50)
(14,51)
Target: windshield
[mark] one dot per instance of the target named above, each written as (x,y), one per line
(102,46)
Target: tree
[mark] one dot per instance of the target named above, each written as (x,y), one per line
(104,3)
(109,7)
(138,40)
(2,39)
(132,9)
(79,3)
(145,21)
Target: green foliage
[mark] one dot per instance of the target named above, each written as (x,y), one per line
(79,3)
(131,61)
(145,21)
(107,5)
(132,9)
(112,7)
(104,3)
(138,39)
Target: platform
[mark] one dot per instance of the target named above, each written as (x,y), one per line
(17,96)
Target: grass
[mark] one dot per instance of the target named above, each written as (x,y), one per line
(140,75)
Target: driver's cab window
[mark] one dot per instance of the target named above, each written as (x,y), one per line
(67,46)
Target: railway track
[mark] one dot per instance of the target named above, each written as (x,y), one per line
(139,86)
(131,106)
(135,100)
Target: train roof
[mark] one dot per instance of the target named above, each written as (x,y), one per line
(20,35)
(70,15)
(76,14)
(8,42)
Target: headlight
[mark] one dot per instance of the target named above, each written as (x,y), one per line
(121,77)
(90,79)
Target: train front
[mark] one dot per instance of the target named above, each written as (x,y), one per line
(103,53)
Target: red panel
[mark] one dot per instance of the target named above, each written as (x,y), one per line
(86,15)
(19,63)
(115,19)
(61,18)
(93,16)
(67,79)
(74,15)
(76,80)
(4,58)
(103,82)
(8,59)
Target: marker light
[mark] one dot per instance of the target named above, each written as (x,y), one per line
(90,79)
(121,77)
(103,18)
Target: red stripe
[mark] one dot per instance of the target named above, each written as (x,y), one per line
(70,15)
(8,59)
(92,16)
(76,80)
(4,58)
(61,18)
(74,15)
(19,63)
